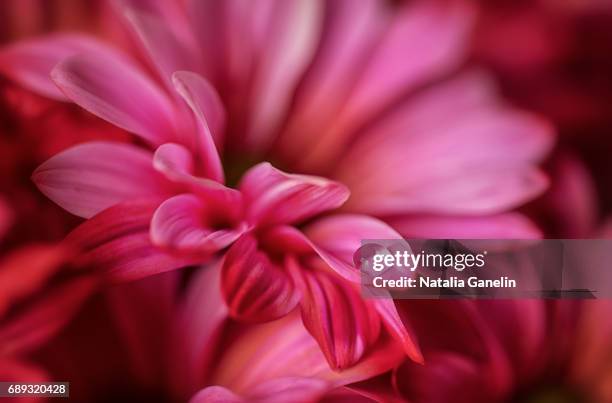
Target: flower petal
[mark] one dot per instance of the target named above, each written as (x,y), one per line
(30,62)
(177,164)
(388,73)
(116,242)
(343,324)
(290,30)
(46,316)
(198,327)
(185,223)
(161,30)
(284,348)
(91,177)
(112,88)
(274,197)
(210,119)
(501,226)
(255,288)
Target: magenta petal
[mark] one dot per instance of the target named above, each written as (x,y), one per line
(30,62)
(255,288)
(186,223)
(91,177)
(210,119)
(117,243)
(111,87)
(275,197)
(177,164)
(338,237)
(343,324)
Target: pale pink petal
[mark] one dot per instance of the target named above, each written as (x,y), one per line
(91,177)
(436,32)
(111,87)
(343,324)
(289,33)
(501,226)
(30,62)
(178,165)
(210,120)
(489,145)
(198,326)
(186,223)
(274,197)
(255,288)
(116,242)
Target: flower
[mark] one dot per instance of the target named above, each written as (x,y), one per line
(322,88)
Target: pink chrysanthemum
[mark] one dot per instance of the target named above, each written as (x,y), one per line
(338,89)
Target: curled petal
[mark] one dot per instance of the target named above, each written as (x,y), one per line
(177,164)
(343,324)
(209,116)
(110,87)
(186,223)
(255,288)
(91,177)
(30,62)
(275,197)
(116,242)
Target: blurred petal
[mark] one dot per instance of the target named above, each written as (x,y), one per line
(112,88)
(437,32)
(502,226)
(161,30)
(446,377)
(117,243)
(46,316)
(210,119)
(274,197)
(91,177)
(30,62)
(199,322)
(255,288)
(290,30)
(185,223)
(24,271)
